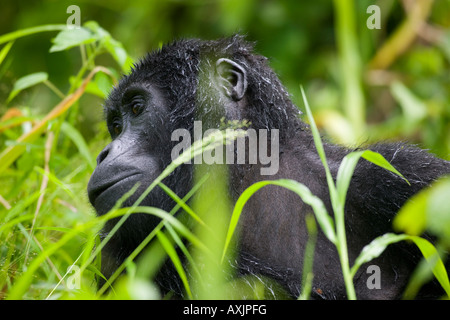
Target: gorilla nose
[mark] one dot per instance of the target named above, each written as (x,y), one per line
(103,154)
(112,150)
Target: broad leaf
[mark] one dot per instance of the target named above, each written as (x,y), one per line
(26,82)
(380,161)
(378,245)
(70,38)
(375,249)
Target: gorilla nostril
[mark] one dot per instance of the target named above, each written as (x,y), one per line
(103,154)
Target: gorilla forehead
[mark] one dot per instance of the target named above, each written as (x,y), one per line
(175,68)
(179,61)
(181,53)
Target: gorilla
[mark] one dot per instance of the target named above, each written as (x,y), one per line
(193,80)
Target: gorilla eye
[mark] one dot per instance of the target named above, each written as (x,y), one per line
(137,105)
(136,108)
(116,127)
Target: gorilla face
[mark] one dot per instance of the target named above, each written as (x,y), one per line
(167,90)
(136,119)
(144,110)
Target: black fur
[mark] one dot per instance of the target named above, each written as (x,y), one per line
(273,233)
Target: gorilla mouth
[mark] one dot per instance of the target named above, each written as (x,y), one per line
(111,191)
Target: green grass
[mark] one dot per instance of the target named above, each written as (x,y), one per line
(49,243)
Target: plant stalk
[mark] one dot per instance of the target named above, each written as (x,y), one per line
(341,246)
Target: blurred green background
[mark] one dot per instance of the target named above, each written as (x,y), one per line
(405,99)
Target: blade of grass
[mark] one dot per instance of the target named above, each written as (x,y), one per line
(168,247)
(5,50)
(379,244)
(21,206)
(143,244)
(29,31)
(24,281)
(57,182)
(183,248)
(375,248)
(64,276)
(338,206)
(348,165)
(380,161)
(308,260)
(319,147)
(432,256)
(350,65)
(79,141)
(167,218)
(26,82)
(43,188)
(181,203)
(324,220)
(13,222)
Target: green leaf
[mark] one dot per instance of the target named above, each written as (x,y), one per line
(438,210)
(427,210)
(113,46)
(316,137)
(429,252)
(181,203)
(116,49)
(321,151)
(324,220)
(375,248)
(57,182)
(26,82)
(345,173)
(348,165)
(168,247)
(100,86)
(79,141)
(70,38)
(411,218)
(29,31)
(5,51)
(431,255)
(22,283)
(414,109)
(380,161)
(182,229)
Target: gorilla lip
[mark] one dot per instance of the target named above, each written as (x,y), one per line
(100,189)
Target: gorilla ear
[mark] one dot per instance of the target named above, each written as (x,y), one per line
(232,78)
